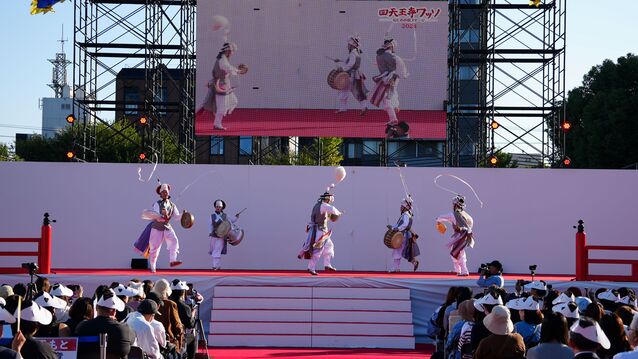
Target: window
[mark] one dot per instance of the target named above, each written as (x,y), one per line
(245,145)
(354,150)
(468,72)
(131,98)
(371,148)
(216,145)
(160,99)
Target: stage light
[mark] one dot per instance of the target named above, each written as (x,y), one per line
(70,154)
(70,119)
(143,120)
(536,3)
(493,160)
(567,161)
(566,126)
(142,156)
(494,125)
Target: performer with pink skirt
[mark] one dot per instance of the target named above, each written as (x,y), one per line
(462,224)
(318,242)
(409,249)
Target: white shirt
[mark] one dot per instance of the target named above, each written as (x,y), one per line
(175,214)
(449,217)
(350,61)
(144,333)
(627,355)
(329,209)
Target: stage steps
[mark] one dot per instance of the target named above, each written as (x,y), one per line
(320,317)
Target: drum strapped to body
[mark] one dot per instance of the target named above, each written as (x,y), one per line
(223,228)
(338,79)
(235,235)
(393,238)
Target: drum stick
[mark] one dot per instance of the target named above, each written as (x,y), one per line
(240,212)
(332,59)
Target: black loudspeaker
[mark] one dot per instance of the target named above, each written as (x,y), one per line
(139,263)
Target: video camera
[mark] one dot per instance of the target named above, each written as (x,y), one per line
(484,267)
(31,267)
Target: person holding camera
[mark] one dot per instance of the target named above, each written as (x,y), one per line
(491,274)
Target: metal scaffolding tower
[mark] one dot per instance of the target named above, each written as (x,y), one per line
(152,35)
(507,80)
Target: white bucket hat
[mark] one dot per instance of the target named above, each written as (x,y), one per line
(564,298)
(487,299)
(5,316)
(177,284)
(523,304)
(111,301)
(45,300)
(125,291)
(569,310)
(593,332)
(498,321)
(537,284)
(60,290)
(609,295)
(32,312)
(629,301)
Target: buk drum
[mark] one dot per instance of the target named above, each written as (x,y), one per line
(222,230)
(338,79)
(235,236)
(334,217)
(393,238)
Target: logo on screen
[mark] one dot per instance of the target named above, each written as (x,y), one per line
(409,14)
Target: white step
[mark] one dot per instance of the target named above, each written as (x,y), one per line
(302,341)
(261,303)
(262,292)
(349,341)
(260,328)
(385,305)
(363,316)
(265,315)
(362,329)
(362,293)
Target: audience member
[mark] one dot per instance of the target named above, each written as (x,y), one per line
(81,310)
(31,317)
(140,323)
(569,311)
(186,315)
(586,337)
(633,341)
(120,336)
(614,329)
(554,337)
(493,275)
(502,343)
(169,316)
(529,327)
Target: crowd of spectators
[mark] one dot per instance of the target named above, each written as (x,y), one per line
(535,321)
(142,319)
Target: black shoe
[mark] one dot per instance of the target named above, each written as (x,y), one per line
(330,268)
(312,272)
(416,265)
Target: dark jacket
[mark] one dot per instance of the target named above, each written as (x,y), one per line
(120,338)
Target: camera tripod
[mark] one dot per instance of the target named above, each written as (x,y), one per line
(199,332)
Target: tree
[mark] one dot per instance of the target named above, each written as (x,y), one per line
(119,142)
(604,116)
(7,153)
(329,154)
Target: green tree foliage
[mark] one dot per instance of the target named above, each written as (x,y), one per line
(119,142)
(604,114)
(7,153)
(330,154)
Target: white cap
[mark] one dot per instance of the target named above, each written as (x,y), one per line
(5,316)
(564,298)
(628,300)
(609,295)
(32,312)
(111,301)
(487,299)
(46,300)
(125,291)
(582,303)
(594,333)
(138,287)
(524,304)
(535,285)
(60,290)
(569,309)
(177,284)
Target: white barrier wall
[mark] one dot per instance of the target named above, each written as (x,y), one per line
(527,217)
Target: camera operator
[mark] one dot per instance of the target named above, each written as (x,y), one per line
(491,274)
(187,315)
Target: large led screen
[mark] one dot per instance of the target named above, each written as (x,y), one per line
(326,68)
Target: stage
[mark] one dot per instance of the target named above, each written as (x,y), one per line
(427,290)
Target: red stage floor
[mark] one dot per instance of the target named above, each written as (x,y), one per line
(300,273)
(320,123)
(423,352)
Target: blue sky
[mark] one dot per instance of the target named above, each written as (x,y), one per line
(596,30)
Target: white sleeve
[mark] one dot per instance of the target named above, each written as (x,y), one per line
(225,65)
(210,225)
(350,61)
(404,222)
(176,213)
(448,217)
(234,219)
(330,209)
(156,208)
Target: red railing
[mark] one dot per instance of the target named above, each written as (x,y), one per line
(43,253)
(583,260)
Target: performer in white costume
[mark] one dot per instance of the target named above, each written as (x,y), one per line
(318,242)
(221,99)
(162,230)
(391,69)
(462,224)
(218,246)
(409,250)
(357,86)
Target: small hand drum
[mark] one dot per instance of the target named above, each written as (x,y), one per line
(393,238)
(334,217)
(222,230)
(242,69)
(440,227)
(187,220)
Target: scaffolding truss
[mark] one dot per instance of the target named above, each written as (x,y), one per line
(151,35)
(512,55)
